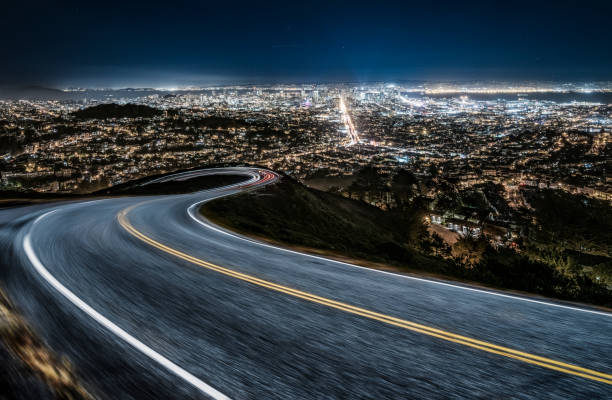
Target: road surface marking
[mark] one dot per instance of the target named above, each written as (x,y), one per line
(413,326)
(138,345)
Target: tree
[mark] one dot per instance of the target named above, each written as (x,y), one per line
(368,179)
(433,170)
(469,251)
(438,245)
(403,187)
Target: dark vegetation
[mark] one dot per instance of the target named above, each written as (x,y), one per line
(106,111)
(572,222)
(572,233)
(293,214)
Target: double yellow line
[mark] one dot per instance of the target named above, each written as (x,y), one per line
(412,326)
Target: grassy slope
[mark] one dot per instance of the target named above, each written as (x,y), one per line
(290,213)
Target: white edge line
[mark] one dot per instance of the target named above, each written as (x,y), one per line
(138,345)
(211,226)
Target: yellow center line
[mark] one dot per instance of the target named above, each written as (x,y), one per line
(412,326)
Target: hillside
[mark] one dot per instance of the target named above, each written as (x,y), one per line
(296,216)
(291,213)
(106,111)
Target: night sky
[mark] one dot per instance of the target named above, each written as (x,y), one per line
(177,43)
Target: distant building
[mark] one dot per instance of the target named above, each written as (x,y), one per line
(462,227)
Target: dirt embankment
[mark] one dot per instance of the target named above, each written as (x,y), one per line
(30,369)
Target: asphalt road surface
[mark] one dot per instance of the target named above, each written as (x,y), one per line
(147,300)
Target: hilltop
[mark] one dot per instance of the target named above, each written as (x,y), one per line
(112,110)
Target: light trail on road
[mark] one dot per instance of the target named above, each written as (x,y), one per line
(348,123)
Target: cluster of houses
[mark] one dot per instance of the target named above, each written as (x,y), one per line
(469,227)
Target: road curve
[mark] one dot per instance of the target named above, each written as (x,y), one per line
(148,300)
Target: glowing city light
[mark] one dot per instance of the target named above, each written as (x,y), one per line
(348,123)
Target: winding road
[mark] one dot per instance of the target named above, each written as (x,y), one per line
(149,300)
